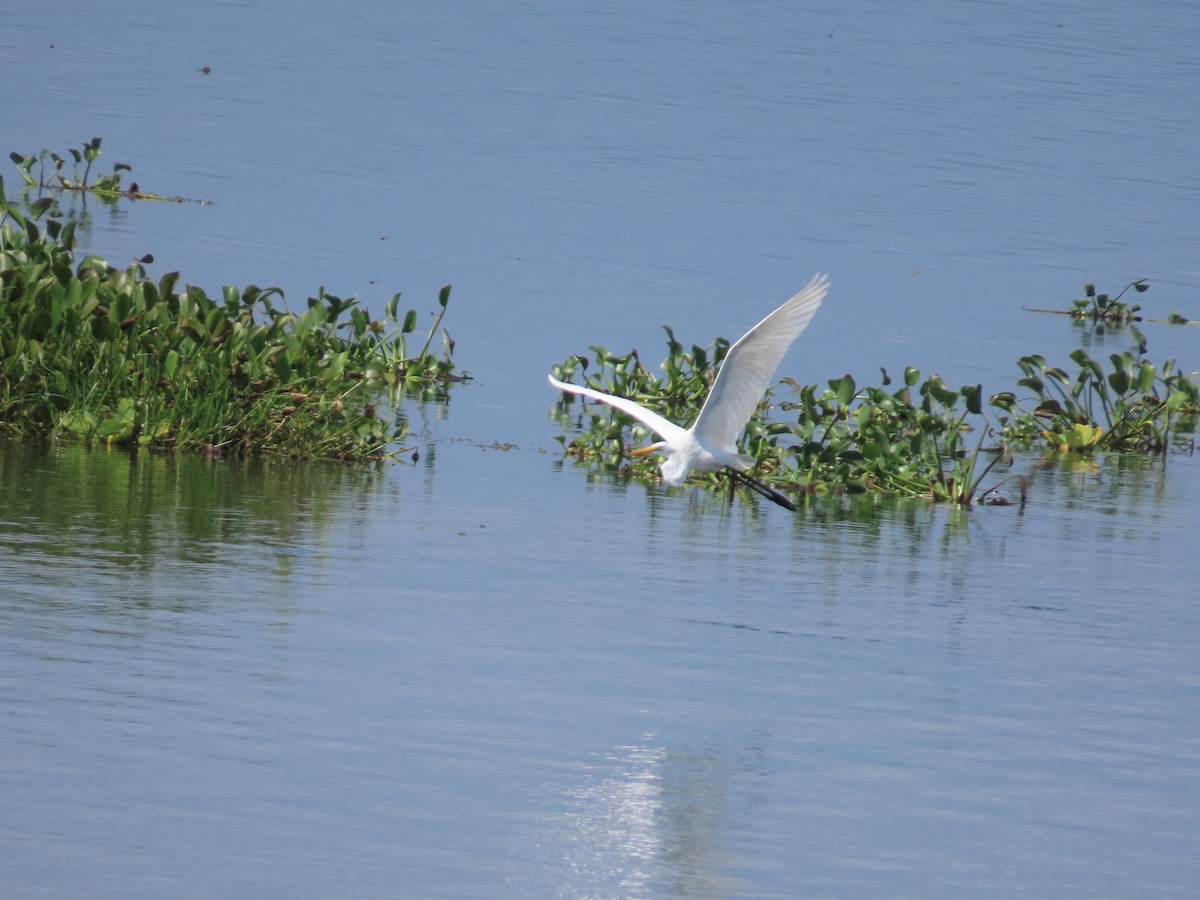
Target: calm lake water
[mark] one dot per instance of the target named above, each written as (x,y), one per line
(492,674)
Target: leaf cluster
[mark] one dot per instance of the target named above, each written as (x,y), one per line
(1136,406)
(47,170)
(907,439)
(108,354)
(1100,308)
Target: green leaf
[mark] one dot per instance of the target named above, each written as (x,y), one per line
(1146,374)
(974,398)
(1058,375)
(937,389)
(1005,400)
(844,389)
(1119,381)
(78,422)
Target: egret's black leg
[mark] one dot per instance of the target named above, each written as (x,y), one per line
(761,489)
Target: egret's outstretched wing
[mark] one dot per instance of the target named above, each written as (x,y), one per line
(664,428)
(751,363)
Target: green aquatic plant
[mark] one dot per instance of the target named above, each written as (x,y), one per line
(842,438)
(1100,308)
(908,439)
(110,354)
(47,170)
(1135,406)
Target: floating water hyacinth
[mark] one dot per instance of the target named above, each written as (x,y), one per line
(112,355)
(911,439)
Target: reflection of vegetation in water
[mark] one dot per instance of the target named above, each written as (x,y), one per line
(911,439)
(111,355)
(117,511)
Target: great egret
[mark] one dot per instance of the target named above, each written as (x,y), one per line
(710,444)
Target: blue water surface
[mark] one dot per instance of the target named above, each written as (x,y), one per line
(490,673)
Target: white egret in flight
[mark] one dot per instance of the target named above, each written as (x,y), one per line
(710,444)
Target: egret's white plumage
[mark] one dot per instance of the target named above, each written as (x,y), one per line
(710,444)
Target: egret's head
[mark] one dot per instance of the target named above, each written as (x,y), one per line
(660,448)
(674,468)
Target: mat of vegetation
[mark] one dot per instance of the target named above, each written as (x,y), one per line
(108,354)
(913,436)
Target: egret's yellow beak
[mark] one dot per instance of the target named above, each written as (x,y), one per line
(648,450)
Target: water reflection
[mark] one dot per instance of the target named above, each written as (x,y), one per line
(109,519)
(657,699)
(90,214)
